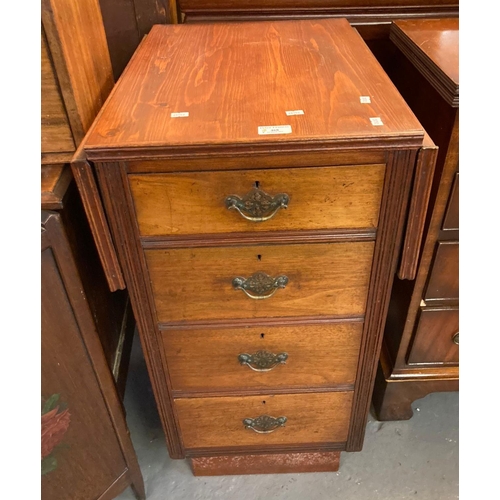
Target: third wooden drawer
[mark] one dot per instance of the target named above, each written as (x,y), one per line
(263,357)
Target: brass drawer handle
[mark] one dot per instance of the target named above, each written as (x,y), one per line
(264,424)
(455,338)
(256,205)
(260,285)
(262,361)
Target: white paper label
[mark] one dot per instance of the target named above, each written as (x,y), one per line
(179,115)
(295,112)
(275,129)
(365,99)
(376,121)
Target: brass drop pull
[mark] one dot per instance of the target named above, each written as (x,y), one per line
(455,338)
(256,205)
(264,424)
(262,361)
(260,285)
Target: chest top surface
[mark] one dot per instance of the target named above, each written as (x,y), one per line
(433,45)
(216,84)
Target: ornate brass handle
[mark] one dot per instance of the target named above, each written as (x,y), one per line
(264,424)
(262,361)
(260,285)
(455,338)
(257,205)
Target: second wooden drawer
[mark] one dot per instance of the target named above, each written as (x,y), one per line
(293,356)
(316,279)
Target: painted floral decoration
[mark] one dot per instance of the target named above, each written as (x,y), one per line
(55,423)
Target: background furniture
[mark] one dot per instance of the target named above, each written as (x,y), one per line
(86,449)
(87,331)
(420,351)
(127,21)
(195,178)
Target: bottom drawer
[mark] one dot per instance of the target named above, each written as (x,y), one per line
(234,421)
(436,338)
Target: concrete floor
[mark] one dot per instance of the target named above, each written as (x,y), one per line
(414,459)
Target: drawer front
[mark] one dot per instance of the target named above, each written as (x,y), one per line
(436,338)
(443,281)
(316,198)
(263,357)
(451,218)
(310,418)
(317,280)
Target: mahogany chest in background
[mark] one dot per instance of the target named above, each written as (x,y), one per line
(258,215)
(420,351)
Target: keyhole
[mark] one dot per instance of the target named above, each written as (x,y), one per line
(259,257)
(257,184)
(261,335)
(263,402)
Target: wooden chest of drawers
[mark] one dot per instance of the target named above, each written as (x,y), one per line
(420,352)
(256,178)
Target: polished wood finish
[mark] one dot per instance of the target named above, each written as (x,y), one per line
(55,180)
(433,341)
(276,463)
(318,356)
(196,284)
(443,279)
(139,116)
(320,198)
(218,422)
(432,46)
(418,356)
(95,451)
(56,132)
(181,284)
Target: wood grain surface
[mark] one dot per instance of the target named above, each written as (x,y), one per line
(218,422)
(77,42)
(320,198)
(451,218)
(233,78)
(196,284)
(318,356)
(56,132)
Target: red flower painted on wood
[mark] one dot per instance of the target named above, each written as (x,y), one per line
(54,426)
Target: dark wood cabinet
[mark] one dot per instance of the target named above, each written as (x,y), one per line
(86,449)
(258,216)
(420,350)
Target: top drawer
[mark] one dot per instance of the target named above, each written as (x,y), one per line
(224,202)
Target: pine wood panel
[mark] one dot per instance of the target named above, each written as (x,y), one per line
(318,356)
(433,341)
(196,283)
(320,198)
(78,46)
(56,132)
(218,422)
(227,104)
